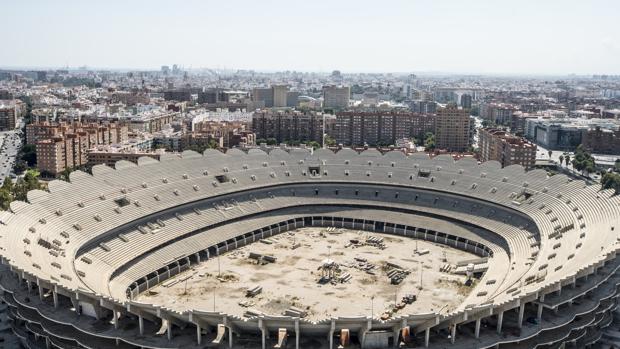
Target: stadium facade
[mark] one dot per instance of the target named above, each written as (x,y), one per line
(75,258)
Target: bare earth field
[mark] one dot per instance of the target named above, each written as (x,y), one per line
(293,279)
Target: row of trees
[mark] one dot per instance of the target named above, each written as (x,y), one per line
(10,191)
(565,158)
(329,141)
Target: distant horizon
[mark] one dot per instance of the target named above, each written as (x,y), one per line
(232,70)
(481,37)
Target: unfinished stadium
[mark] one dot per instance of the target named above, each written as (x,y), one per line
(381,251)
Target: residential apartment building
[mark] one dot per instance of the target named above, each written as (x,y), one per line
(423,107)
(507,149)
(372,128)
(8,115)
(498,113)
(98,133)
(56,154)
(66,145)
(109,156)
(602,141)
(336,97)
(452,129)
(287,126)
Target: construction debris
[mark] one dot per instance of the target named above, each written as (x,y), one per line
(375,241)
(251,292)
(396,273)
(446,268)
(295,312)
(262,259)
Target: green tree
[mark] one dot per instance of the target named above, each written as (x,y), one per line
(611,180)
(272,141)
(567,159)
(550,152)
(260,141)
(429,141)
(64,175)
(583,161)
(7,184)
(6,193)
(29,154)
(561,159)
(329,141)
(315,145)
(5,199)
(28,182)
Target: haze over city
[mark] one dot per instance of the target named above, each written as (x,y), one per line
(310,174)
(554,37)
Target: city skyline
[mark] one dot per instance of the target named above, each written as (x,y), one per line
(481,37)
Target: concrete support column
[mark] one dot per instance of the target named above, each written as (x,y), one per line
(521,311)
(41,291)
(48,343)
(55,296)
(500,319)
(427,337)
(198,334)
(297,334)
(28,286)
(331,334)
(141,324)
(169,330)
(396,330)
(477,333)
(115,319)
(453,334)
(262,333)
(76,305)
(539,313)
(230,337)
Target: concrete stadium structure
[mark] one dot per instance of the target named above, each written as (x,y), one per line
(75,257)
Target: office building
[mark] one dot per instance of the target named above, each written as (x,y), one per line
(262,97)
(279,96)
(292,99)
(336,97)
(466,101)
(181,95)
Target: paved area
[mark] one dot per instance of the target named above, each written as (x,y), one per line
(10,145)
(294,279)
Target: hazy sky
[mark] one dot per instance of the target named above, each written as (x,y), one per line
(462,36)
